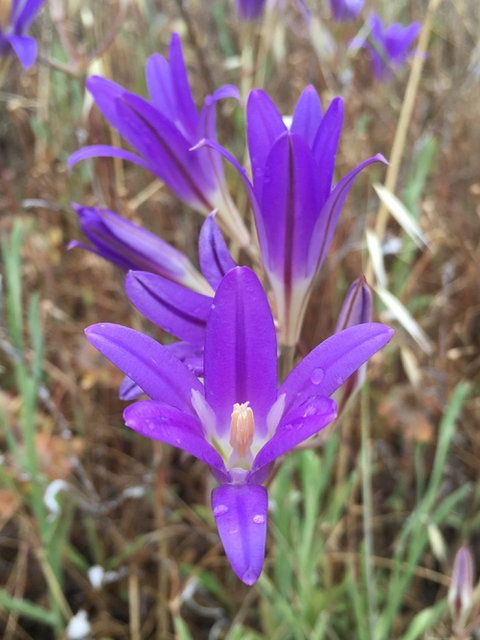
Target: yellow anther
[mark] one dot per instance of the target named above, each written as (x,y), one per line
(242,428)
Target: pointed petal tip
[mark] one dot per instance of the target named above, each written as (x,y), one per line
(201,143)
(240,512)
(250,576)
(380,158)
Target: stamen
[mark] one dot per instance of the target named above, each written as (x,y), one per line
(242,429)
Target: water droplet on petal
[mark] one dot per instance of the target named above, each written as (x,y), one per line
(288,427)
(258,171)
(317,376)
(259,519)
(340,380)
(220,510)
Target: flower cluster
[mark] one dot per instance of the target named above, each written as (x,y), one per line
(214,394)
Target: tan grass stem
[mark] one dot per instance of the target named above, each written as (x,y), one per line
(401,132)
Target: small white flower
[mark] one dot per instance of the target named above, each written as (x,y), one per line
(79,627)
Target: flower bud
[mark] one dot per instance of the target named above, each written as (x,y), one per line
(460,593)
(357,309)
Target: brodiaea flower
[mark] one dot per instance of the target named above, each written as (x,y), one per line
(356,309)
(250,9)
(129,247)
(345,10)
(238,422)
(163,131)
(295,208)
(181,311)
(388,46)
(16,17)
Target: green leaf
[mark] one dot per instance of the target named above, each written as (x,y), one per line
(26,608)
(424,621)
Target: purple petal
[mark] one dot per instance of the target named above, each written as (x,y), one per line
(307,115)
(240,350)
(105,92)
(129,390)
(23,14)
(160,87)
(327,220)
(398,40)
(290,207)
(190,354)
(328,366)
(159,373)
(240,511)
(131,247)
(298,425)
(25,49)
(105,151)
(178,310)
(215,258)
(104,253)
(164,146)
(326,144)
(206,156)
(264,126)
(250,190)
(250,9)
(357,307)
(345,10)
(187,111)
(167,424)
(376,28)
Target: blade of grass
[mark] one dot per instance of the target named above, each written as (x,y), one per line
(26,608)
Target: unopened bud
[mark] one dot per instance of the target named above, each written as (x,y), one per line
(460,593)
(357,309)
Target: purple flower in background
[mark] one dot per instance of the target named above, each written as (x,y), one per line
(163,131)
(356,309)
(250,9)
(295,208)
(346,10)
(129,247)
(238,422)
(460,592)
(16,17)
(388,46)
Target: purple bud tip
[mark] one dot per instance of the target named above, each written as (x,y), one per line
(460,593)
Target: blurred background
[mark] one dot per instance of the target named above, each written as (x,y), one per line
(104,534)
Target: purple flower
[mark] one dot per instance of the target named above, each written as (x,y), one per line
(163,131)
(180,311)
(16,17)
(238,422)
(388,47)
(346,10)
(250,9)
(295,208)
(129,246)
(356,309)
(460,592)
